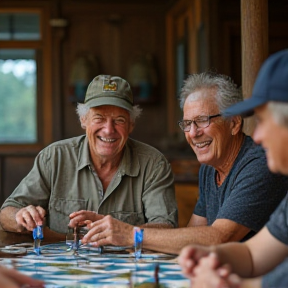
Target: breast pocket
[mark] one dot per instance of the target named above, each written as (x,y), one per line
(132,218)
(59,211)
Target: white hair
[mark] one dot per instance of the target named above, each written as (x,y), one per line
(279,111)
(82,110)
(227,92)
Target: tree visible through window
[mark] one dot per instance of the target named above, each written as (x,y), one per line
(18,77)
(18,101)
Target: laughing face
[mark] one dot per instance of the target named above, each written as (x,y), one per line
(274,138)
(211,144)
(107,129)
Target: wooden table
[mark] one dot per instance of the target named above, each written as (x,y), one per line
(9,238)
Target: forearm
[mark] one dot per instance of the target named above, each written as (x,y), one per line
(251,283)
(173,240)
(157,225)
(237,255)
(8,220)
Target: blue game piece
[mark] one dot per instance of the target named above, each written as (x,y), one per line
(37,236)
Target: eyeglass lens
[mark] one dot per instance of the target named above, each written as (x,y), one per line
(201,122)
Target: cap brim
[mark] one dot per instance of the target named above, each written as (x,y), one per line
(113,101)
(244,108)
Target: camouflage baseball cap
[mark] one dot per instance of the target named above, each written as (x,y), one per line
(109,90)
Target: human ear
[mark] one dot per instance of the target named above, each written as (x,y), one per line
(83,122)
(131,126)
(236,124)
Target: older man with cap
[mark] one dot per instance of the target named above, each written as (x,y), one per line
(103,172)
(213,266)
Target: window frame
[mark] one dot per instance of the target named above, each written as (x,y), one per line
(44,79)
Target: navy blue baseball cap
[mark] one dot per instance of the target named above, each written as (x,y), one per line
(271,85)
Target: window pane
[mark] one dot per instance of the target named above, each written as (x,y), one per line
(19,26)
(18,119)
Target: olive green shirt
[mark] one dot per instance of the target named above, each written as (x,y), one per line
(63,180)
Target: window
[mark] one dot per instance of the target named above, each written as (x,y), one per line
(19,26)
(22,55)
(18,122)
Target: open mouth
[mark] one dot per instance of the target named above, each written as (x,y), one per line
(202,144)
(107,140)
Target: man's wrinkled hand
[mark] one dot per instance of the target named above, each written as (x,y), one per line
(30,216)
(78,218)
(109,231)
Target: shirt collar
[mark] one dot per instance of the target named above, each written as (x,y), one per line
(129,164)
(84,154)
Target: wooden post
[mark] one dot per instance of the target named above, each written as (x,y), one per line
(254,29)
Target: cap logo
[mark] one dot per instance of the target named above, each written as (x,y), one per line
(109,85)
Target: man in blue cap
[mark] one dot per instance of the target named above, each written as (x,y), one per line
(223,265)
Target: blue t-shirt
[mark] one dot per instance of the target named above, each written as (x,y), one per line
(248,195)
(277,278)
(278,227)
(278,223)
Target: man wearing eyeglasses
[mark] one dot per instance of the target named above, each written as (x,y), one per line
(237,192)
(220,266)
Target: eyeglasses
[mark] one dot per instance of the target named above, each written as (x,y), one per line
(200,122)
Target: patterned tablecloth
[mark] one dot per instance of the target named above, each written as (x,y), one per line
(115,267)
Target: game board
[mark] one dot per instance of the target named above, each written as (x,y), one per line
(115,267)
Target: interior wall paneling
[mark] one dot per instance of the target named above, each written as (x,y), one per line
(231,37)
(59,29)
(183,24)
(15,168)
(113,34)
(186,197)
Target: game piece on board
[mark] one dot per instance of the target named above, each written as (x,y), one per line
(37,236)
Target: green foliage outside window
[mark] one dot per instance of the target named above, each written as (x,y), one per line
(18,120)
